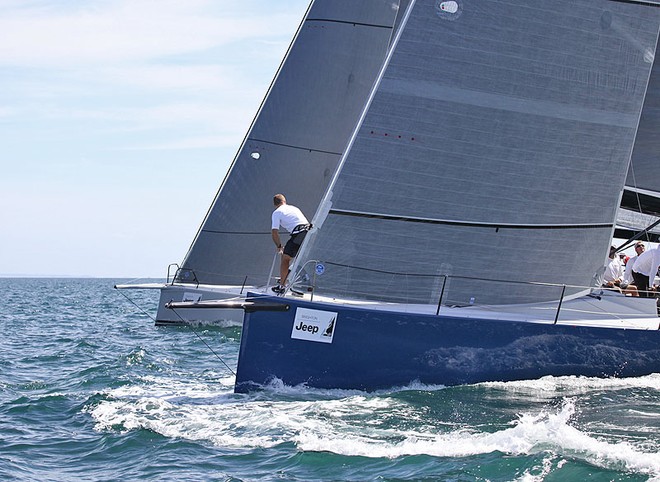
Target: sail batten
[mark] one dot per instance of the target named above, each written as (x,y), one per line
(349,22)
(455,222)
(304,148)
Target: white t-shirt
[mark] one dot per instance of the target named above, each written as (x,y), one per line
(627,276)
(288,217)
(613,270)
(647,263)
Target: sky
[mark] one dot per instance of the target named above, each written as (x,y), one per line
(118,122)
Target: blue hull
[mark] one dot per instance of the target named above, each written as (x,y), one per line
(373,350)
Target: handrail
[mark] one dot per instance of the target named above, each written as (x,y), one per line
(186,270)
(444,283)
(301,270)
(167,280)
(445,288)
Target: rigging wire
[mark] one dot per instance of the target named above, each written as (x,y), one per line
(136,305)
(186,323)
(644,232)
(189,325)
(634,179)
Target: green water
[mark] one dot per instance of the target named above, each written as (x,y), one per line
(90,389)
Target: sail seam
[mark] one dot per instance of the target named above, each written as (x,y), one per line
(361,24)
(390,217)
(310,149)
(650,3)
(214,231)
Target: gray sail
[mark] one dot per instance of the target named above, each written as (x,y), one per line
(297,138)
(642,194)
(495,147)
(633,225)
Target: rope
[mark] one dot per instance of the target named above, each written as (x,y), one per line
(639,202)
(645,232)
(136,305)
(189,325)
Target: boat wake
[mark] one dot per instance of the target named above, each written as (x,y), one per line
(545,432)
(565,426)
(576,385)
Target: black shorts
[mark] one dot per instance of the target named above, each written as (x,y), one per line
(642,283)
(293,244)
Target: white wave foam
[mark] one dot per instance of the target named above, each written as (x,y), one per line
(136,357)
(277,386)
(545,469)
(358,424)
(573,384)
(157,387)
(215,323)
(545,387)
(543,432)
(645,414)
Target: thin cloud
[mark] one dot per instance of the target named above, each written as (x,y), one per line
(6,112)
(161,115)
(223,140)
(106,102)
(182,78)
(139,65)
(125,31)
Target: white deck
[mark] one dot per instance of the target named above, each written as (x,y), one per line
(608,310)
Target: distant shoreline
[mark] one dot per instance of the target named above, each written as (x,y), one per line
(64,276)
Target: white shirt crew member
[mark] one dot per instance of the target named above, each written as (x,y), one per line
(627,275)
(614,270)
(288,217)
(648,263)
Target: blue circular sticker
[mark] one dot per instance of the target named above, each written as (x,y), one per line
(319,268)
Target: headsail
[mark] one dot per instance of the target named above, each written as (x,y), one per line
(640,204)
(495,147)
(643,180)
(296,139)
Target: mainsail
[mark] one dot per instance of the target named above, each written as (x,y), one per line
(297,138)
(494,147)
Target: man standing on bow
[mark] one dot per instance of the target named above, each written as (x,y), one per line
(294,221)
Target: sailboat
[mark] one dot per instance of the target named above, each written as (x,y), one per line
(293,145)
(462,234)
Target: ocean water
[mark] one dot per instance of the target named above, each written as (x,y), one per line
(91,390)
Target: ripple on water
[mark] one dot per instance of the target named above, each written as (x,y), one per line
(90,389)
